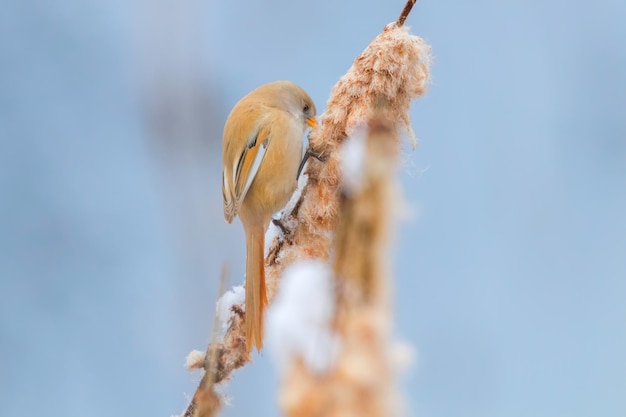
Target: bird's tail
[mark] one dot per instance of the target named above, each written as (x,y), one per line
(256,295)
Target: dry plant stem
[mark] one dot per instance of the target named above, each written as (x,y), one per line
(363,225)
(405,12)
(361,382)
(206,402)
(393,70)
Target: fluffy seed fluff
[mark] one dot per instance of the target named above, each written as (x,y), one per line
(224,307)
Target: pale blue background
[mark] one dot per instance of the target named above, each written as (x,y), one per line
(511,276)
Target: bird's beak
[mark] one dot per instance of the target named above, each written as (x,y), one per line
(311,122)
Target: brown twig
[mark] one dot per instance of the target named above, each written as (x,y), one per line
(205,401)
(405,12)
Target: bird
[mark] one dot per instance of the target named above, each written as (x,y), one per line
(262,147)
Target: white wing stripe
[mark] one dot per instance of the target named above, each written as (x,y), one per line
(255,167)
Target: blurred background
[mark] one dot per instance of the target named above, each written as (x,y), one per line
(510,275)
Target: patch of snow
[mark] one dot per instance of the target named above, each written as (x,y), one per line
(299,319)
(353,159)
(223,309)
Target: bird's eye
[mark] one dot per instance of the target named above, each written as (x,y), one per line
(306,108)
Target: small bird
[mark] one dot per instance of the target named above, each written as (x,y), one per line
(262,148)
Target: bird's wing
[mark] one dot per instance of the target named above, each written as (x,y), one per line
(237,182)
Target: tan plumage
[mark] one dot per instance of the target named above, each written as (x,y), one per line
(261,150)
